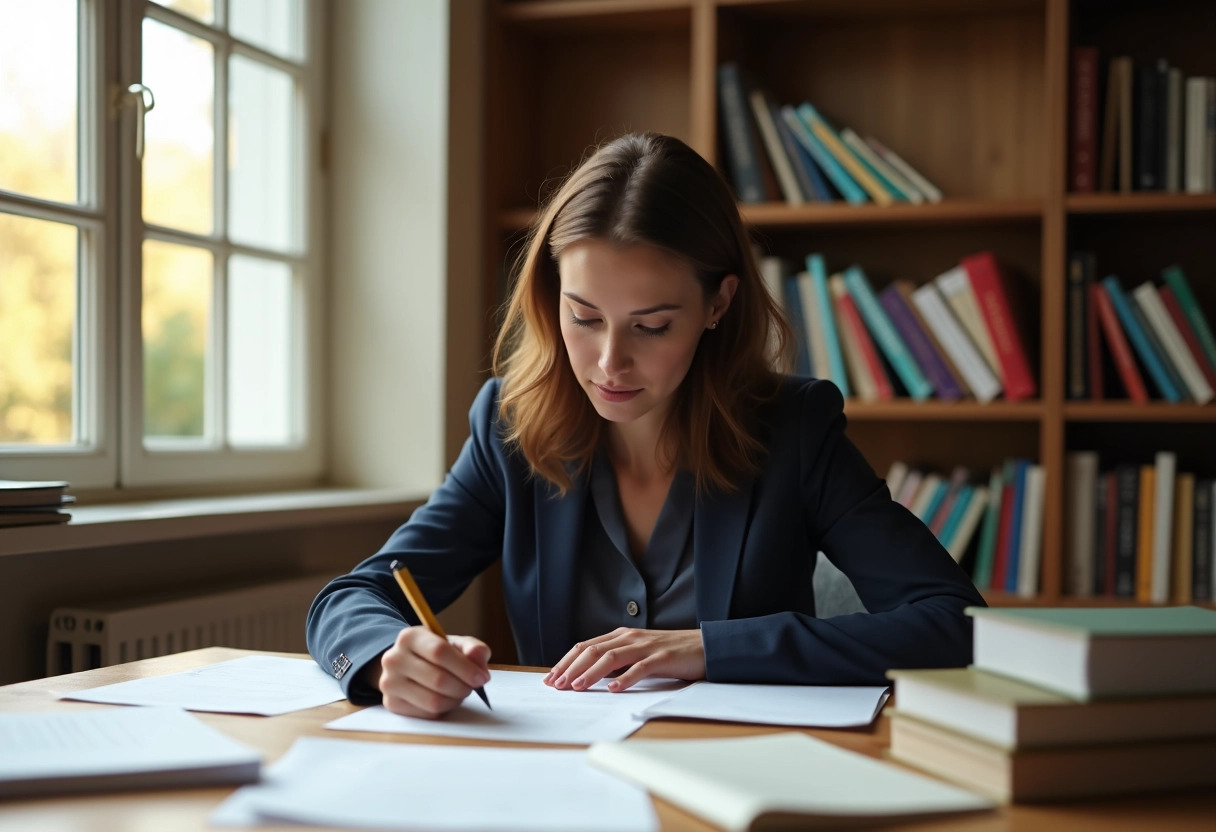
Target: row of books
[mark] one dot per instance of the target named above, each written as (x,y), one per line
(1006,514)
(1065,703)
(793,153)
(1146,532)
(30,503)
(1158,127)
(955,337)
(1156,331)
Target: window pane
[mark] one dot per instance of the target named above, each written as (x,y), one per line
(203,10)
(262,160)
(176,325)
(179,151)
(260,315)
(275,25)
(38,98)
(37,323)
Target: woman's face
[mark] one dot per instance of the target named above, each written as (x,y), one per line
(631,317)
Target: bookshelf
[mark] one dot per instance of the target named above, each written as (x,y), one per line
(975,93)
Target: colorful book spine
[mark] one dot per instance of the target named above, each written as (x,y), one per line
(1175,278)
(950,335)
(901,188)
(954,514)
(1081,485)
(814,332)
(1032,533)
(800,163)
(827,136)
(958,479)
(1188,335)
(930,191)
(1079,277)
(1000,564)
(762,114)
(741,148)
(1173,346)
(1139,339)
(938,496)
(1144,535)
(977,506)
(1084,119)
(995,305)
(955,286)
(1095,374)
(1120,351)
(851,321)
(827,319)
(1184,519)
(884,333)
(1165,467)
(1013,564)
(837,175)
(905,322)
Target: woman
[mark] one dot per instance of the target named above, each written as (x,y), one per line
(656,492)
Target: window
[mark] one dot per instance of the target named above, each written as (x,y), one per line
(159,281)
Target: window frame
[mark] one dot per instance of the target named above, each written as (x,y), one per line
(110,452)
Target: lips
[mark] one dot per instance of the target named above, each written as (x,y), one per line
(617,394)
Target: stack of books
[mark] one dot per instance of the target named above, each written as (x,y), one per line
(30,503)
(1155,331)
(794,153)
(1071,702)
(958,336)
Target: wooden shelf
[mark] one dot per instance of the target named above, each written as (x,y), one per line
(1005,599)
(947,212)
(569,13)
(1138,203)
(1125,411)
(938,411)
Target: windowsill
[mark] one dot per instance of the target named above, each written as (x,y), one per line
(127,523)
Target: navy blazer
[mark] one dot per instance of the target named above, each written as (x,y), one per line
(754,555)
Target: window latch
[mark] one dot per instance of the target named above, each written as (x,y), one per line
(140,97)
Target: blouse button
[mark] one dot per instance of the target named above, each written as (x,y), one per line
(632,608)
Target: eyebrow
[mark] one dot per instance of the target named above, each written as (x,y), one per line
(649,310)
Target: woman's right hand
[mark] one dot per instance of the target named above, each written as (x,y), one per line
(423,675)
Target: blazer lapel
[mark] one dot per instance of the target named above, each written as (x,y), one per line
(559,527)
(717,539)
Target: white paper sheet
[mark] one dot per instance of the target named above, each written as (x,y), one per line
(265,685)
(797,705)
(398,786)
(527,710)
(64,750)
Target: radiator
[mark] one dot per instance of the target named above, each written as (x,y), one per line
(259,617)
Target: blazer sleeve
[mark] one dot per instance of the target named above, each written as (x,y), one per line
(445,544)
(914,591)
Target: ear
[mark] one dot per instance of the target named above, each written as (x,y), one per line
(726,293)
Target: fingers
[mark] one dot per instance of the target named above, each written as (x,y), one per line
(474,649)
(426,676)
(589,661)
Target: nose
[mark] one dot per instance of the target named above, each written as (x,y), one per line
(614,355)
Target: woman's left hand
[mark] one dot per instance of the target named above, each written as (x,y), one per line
(675,654)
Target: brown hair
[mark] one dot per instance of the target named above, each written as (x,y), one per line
(651,190)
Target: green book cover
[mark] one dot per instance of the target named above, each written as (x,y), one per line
(1190,307)
(1098,622)
(982,574)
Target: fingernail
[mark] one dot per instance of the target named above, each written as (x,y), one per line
(549,677)
(561,681)
(614,685)
(484,678)
(578,683)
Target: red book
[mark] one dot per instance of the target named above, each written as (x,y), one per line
(994,303)
(1110,534)
(1093,344)
(869,354)
(1119,349)
(1188,334)
(1084,134)
(1000,559)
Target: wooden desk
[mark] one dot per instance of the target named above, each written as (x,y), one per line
(188,809)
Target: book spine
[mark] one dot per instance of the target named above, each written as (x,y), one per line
(793,311)
(814,332)
(1014,566)
(858,171)
(1110,535)
(1078,301)
(884,333)
(1164,479)
(1101,513)
(1084,118)
(1170,301)
(1162,126)
(994,303)
(1209,136)
(1201,547)
(981,576)
(1095,375)
(737,136)
(800,163)
(955,516)
(955,287)
(1082,484)
(782,168)
(1126,84)
(837,175)
(1139,339)
(869,353)
(1144,535)
(1120,351)
(977,507)
(950,335)
(1173,131)
(1173,347)
(1110,126)
(930,191)
(1175,278)
(1000,565)
(1158,348)
(1184,510)
(827,320)
(918,343)
(820,187)
(1032,533)
(1146,129)
(1195,168)
(1128,509)
(901,188)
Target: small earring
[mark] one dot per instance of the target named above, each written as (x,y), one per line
(713,324)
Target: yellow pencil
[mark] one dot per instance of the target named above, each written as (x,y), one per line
(422,609)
